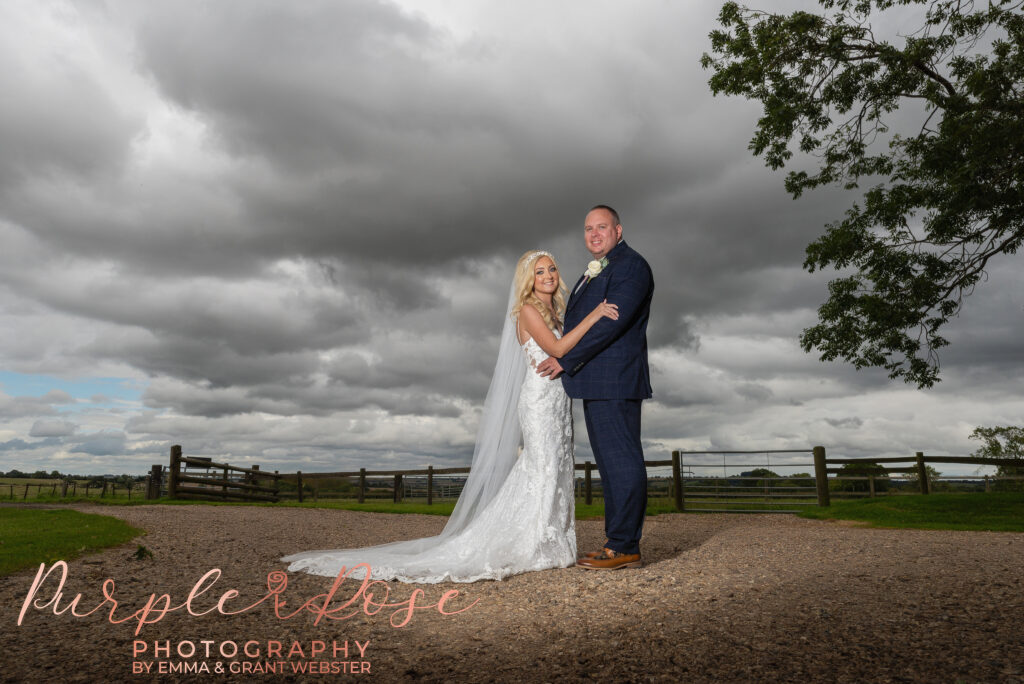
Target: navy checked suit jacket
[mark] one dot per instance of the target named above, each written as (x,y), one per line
(610,362)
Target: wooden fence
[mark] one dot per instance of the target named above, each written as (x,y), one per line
(218,485)
(301,479)
(65,488)
(920,461)
(398,478)
(766,495)
(193,477)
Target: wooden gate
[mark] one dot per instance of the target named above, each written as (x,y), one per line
(231,482)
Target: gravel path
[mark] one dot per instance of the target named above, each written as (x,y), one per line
(720,598)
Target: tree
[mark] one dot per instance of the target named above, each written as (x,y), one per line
(934,484)
(1003,442)
(798,480)
(951,197)
(769,478)
(863,469)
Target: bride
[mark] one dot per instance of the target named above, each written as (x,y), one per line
(516,511)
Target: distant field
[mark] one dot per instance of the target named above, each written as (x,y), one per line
(48,490)
(29,480)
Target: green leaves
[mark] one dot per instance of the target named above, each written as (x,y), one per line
(1002,442)
(952,196)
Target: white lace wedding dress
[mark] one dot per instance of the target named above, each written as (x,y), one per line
(529,525)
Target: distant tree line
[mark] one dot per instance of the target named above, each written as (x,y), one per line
(124,479)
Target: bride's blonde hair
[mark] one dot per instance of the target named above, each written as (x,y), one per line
(525,294)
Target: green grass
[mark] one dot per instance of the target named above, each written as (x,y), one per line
(655,506)
(383,506)
(35,495)
(995,511)
(32,536)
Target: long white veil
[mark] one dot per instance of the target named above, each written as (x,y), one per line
(495,452)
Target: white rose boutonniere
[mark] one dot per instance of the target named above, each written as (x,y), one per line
(595,267)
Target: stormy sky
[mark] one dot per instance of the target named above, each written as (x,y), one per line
(283,233)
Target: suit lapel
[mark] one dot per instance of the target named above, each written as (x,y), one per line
(575,295)
(577,291)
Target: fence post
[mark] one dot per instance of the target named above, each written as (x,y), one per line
(64,489)
(155,472)
(104,492)
(988,484)
(298,478)
(587,488)
(871,485)
(362,485)
(821,476)
(224,487)
(677,480)
(398,488)
(922,472)
(174,471)
(430,485)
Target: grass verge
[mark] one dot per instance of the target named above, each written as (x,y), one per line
(31,536)
(995,511)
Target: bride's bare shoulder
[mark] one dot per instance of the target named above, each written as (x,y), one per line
(531,316)
(533,322)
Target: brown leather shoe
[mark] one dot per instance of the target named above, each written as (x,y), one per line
(594,554)
(608,559)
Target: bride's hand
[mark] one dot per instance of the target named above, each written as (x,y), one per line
(605,309)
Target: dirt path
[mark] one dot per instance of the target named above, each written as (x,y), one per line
(721,598)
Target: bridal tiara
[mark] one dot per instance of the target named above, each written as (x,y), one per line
(536,255)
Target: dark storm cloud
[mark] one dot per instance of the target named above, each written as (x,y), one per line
(299,398)
(307,214)
(56,120)
(850,422)
(384,149)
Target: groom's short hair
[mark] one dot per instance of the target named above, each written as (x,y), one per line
(615,214)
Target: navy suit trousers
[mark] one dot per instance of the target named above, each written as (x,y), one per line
(613,426)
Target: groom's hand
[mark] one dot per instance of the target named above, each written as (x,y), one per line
(549,366)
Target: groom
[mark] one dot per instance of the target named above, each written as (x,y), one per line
(608,371)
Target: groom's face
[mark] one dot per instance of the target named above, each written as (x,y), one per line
(600,232)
